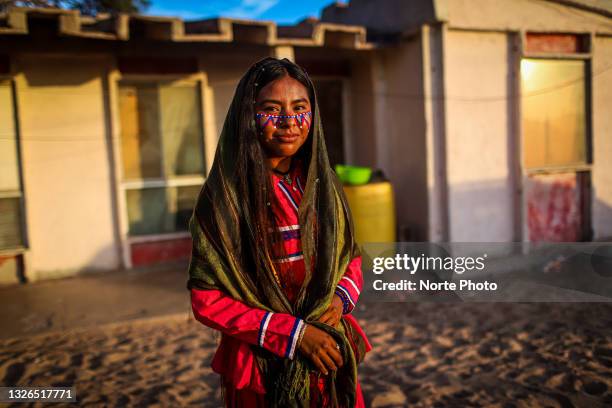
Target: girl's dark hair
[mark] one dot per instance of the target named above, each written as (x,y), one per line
(253,182)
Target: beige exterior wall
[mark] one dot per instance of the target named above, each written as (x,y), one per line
(66,165)
(472,123)
(602,138)
(516,15)
(480,189)
(400,131)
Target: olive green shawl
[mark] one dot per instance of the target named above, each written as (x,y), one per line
(219,261)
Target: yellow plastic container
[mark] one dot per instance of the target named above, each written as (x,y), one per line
(373,209)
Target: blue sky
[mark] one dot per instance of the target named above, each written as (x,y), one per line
(280,11)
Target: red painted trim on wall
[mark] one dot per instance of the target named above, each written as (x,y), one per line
(554,208)
(556,43)
(156,252)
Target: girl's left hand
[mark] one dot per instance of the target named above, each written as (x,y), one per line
(333,313)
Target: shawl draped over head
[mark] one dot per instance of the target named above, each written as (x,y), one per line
(220,226)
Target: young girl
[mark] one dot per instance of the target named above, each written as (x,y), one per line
(275,266)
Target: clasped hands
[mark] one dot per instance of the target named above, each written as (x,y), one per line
(320,347)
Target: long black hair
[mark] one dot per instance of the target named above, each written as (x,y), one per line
(253,181)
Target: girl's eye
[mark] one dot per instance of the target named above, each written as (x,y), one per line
(299,108)
(270,109)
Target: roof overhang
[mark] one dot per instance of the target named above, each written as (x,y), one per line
(124,27)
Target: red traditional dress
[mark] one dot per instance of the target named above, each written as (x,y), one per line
(243,326)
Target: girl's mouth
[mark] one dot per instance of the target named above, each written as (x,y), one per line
(287,137)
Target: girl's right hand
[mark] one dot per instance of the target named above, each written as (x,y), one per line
(321,349)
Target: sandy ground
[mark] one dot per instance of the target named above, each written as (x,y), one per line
(425,355)
(92,300)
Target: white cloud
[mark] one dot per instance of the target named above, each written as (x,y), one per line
(250,8)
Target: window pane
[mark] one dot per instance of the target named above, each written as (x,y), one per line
(146,210)
(9,169)
(553,112)
(140,136)
(160,210)
(181,130)
(10,223)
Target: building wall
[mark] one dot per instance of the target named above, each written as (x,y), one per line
(400,132)
(432,40)
(535,15)
(72,221)
(602,138)
(66,165)
(472,147)
(480,188)
(359,140)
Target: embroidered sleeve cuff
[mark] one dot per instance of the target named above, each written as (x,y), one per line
(279,333)
(347,303)
(350,286)
(293,339)
(263,327)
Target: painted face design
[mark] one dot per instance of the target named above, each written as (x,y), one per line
(301,119)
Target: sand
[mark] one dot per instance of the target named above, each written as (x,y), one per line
(489,355)
(425,355)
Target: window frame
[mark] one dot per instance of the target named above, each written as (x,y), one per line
(561,56)
(116,78)
(583,171)
(7,79)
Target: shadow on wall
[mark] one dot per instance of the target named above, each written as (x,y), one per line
(602,211)
(59,71)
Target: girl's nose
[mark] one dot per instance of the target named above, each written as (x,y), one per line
(286,120)
(298,119)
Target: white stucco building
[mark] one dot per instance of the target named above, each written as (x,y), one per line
(490,117)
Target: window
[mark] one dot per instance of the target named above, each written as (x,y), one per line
(162,154)
(11,199)
(555,101)
(554,113)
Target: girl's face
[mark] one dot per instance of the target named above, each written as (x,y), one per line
(283,117)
